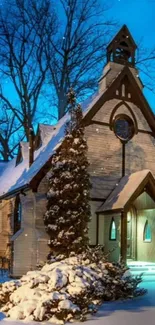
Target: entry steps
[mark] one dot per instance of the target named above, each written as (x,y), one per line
(148,270)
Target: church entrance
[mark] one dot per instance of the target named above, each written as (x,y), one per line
(129,219)
(140,229)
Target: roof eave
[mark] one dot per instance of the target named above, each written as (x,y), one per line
(13,193)
(112,211)
(106,96)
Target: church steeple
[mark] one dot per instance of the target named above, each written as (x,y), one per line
(120,53)
(122,48)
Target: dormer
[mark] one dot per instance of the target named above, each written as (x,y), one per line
(38,141)
(19,156)
(122,48)
(23,150)
(44,132)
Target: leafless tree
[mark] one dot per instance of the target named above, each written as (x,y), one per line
(146,65)
(22,55)
(46,47)
(78,49)
(10,132)
(35,44)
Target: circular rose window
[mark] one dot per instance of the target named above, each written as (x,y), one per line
(123,127)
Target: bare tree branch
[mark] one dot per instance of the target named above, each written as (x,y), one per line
(78,49)
(23,55)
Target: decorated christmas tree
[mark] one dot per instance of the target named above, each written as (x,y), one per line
(68,211)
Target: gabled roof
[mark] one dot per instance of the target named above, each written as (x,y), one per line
(45,131)
(106,95)
(14,178)
(123,30)
(102,186)
(23,152)
(127,190)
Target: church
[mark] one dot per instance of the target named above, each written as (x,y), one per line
(120,133)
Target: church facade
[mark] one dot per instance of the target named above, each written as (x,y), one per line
(120,133)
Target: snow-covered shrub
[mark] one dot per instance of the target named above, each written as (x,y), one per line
(68,210)
(67,289)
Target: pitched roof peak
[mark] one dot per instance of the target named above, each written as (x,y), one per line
(123,30)
(122,48)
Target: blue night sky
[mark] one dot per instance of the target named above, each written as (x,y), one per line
(139,16)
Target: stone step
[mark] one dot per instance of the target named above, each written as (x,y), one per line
(148,278)
(140,263)
(148,273)
(135,263)
(142,269)
(143,265)
(145,268)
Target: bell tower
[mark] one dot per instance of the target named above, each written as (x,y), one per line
(121,52)
(122,48)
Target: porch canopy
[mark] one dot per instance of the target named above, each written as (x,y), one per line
(127,190)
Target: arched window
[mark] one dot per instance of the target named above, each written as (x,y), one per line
(17,214)
(113,231)
(147,232)
(123,127)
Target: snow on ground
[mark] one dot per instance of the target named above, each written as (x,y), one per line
(139,311)
(66,289)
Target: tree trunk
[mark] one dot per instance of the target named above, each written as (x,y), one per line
(62,103)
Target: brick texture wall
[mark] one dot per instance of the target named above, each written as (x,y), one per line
(105,157)
(104,151)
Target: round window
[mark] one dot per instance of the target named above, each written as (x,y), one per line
(123,127)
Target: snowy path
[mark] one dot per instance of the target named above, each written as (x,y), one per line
(139,311)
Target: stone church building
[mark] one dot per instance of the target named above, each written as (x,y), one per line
(120,132)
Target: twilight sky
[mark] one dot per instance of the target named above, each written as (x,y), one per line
(139,16)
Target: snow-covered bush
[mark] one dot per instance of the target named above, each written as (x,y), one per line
(67,289)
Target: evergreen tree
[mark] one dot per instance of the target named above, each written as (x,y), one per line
(68,211)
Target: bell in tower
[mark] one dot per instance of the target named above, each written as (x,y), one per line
(122,48)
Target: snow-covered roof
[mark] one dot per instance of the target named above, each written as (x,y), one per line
(125,190)
(102,186)
(24,149)
(3,165)
(45,132)
(14,177)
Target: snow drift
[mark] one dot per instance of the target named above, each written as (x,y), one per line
(66,290)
